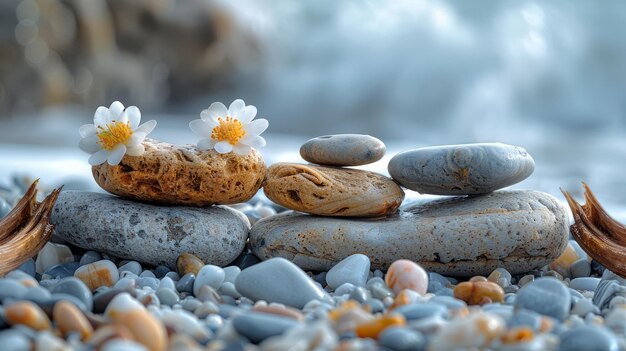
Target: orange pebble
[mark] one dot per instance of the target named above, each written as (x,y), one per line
(404,297)
(374,328)
(405,274)
(28,314)
(518,335)
(70,319)
(188,263)
(97,274)
(477,293)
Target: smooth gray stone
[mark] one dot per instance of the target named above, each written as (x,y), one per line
(588,338)
(186,283)
(466,236)
(548,296)
(167,296)
(11,289)
(402,339)
(525,318)
(260,326)
(103,297)
(153,283)
(90,257)
(375,305)
(469,169)
(132,266)
(48,304)
(359,294)
(75,287)
(160,271)
(580,268)
(343,150)
(353,269)
(148,233)
(62,270)
(586,283)
(28,267)
(278,280)
(423,310)
(450,302)
(12,340)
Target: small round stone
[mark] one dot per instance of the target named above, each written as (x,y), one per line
(373,329)
(90,257)
(188,263)
(423,310)
(353,269)
(28,314)
(186,283)
(97,274)
(210,275)
(132,266)
(69,319)
(51,255)
(584,284)
(343,150)
(588,338)
(405,274)
(402,339)
(547,296)
(479,292)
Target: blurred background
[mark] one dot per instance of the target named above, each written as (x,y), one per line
(548,76)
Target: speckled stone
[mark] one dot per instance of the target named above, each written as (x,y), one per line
(468,169)
(148,233)
(517,230)
(343,150)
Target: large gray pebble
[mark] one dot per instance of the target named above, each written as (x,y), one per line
(467,236)
(353,269)
(468,169)
(548,296)
(148,233)
(260,326)
(278,280)
(343,150)
(588,338)
(402,339)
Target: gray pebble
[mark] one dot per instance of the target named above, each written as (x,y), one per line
(147,274)
(207,293)
(103,296)
(167,283)
(468,169)
(48,305)
(584,284)
(28,267)
(402,339)
(343,150)
(186,282)
(173,275)
(152,283)
(278,280)
(75,287)
(451,302)
(358,294)
(423,310)
(525,318)
(131,266)
(11,289)
(588,338)
(547,296)
(345,288)
(445,292)
(606,291)
(12,340)
(353,269)
(62,270)
(37,293)
(229,289)
(231,273)
(210,275)
(584,306)
(167,296)
(260,326)
(90,257)
(580,268)
(160,271)
(375,305)
(190,304)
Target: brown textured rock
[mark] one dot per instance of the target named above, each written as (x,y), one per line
(334,192)
(183,175)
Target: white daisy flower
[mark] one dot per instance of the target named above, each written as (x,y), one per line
(231,129)
(115,133)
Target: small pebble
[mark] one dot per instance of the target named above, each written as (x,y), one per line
(70,319)
(260,326)
(479,292)
(97,274)
(51,255)
(210,275)
(131,266)
(186,283)
(28,314)
(588,338)
(353,269)
(405,274)
(402,339)
(188,263)
(584,284)
(146,329)
(547,296)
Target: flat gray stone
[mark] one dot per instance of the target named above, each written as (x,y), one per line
(353,269)
(517,230)
(148,233)
(278,280)
(468,169)
(343,150)
(548,296)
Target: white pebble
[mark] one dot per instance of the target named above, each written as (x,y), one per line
(51,255)
(210,275)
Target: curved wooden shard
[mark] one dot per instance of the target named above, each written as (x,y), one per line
(601,236)
(26,229)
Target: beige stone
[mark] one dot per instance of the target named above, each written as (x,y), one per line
(334,192)
(183,175)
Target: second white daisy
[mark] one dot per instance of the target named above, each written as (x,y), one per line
(233,129)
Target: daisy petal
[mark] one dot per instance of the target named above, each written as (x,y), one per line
(200,127)
(236,108)
(257,127)
(89,144)
(248,114)
(116,110)
(216,110)
(206,144)
(102,116)
(146,127)
(116,155)
(123,117)
(223,147)
(99,157)
(253,140)
(209,119)
(87,130)
(136,139)
(134,116)
(241,149)
(135,150)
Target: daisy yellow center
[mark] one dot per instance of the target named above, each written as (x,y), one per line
(229,129)
(113,134)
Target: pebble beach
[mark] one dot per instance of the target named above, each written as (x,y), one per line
(329,258)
